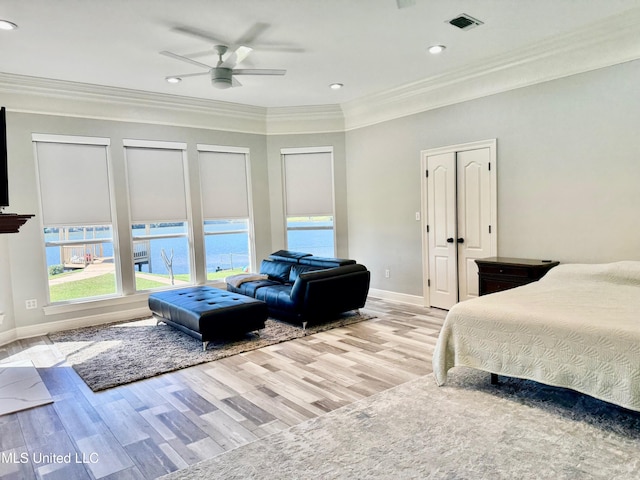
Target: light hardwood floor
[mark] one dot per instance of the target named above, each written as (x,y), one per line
(146,429)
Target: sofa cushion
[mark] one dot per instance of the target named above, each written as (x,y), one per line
(288,256)
(249,288)
(296,270)
(277,297)
(326,262)
(278,271)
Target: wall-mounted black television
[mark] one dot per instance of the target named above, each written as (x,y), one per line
(4,169)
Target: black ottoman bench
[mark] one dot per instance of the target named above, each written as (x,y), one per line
(206,312)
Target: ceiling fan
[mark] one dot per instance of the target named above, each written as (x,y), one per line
(223,74)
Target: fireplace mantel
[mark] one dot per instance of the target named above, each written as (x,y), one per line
(11,222)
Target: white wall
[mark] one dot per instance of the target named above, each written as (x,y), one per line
(568,174)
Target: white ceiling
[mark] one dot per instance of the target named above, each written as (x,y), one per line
(371,46)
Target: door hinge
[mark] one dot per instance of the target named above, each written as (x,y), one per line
(427,228)
(428,282)
(489,166)
(426,173)
(489,228)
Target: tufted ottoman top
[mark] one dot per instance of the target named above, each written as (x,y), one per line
(208,310)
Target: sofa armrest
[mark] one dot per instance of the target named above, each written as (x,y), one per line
(334,289)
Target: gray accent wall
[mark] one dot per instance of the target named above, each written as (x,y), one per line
(568,174)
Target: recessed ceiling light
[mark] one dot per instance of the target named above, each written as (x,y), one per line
(173,79)
(7,25)
(436,49)
(336,86)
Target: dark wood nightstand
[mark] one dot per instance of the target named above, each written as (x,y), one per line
(502,273)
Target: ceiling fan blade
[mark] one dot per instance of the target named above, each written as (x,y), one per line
(202,34)
(185,59)
(258,71)
(254,32)
(276,47)
(405,3)
(185,75)
(237,56)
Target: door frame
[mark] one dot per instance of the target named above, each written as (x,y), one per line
(492,145)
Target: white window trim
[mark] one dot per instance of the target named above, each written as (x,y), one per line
(50,138)
(130,142)
(221,148)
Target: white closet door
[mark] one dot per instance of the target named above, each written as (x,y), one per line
(474,217)
(441,201)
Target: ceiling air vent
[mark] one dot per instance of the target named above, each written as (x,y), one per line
(465,22)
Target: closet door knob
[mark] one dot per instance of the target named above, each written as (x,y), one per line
(461,240)
(450,240)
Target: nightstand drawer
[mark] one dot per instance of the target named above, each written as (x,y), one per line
(491,286)
(515,271)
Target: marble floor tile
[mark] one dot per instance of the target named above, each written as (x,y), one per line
(21,387)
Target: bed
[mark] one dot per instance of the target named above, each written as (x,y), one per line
(578,327)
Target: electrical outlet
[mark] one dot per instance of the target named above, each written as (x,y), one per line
(387,273)
(31,304)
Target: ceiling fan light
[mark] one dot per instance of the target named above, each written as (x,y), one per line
(7,25)
(436,49)
(221,83)
(221,77)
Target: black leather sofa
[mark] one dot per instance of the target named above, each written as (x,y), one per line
(301,288)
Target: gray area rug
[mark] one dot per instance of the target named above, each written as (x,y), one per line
(109,355)
(467,429)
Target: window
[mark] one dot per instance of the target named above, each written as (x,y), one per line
(224,180)
(158,203)
(309,211)
(75,195)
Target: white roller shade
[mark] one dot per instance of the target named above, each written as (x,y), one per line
(156,179)
(74,184)
(223,180)
(308,183)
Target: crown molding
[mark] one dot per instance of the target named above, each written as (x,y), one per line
(308,119)
(605,43)
(27,94)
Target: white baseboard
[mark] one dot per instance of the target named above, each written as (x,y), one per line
(397,297)
(8,336)
(79,322)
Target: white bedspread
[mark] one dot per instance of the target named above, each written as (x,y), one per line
(578,327)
